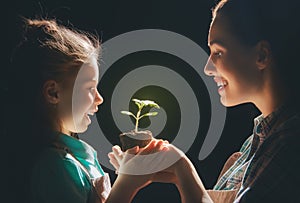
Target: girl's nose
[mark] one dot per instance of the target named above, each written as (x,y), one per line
(209,68)
(98,98)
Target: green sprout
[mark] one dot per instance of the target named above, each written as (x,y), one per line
(141,104)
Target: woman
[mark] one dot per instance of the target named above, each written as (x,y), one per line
(252,59)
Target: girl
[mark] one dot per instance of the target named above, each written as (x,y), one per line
(55,71)
(252,59)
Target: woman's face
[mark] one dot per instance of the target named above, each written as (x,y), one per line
(80,100)
(232,64)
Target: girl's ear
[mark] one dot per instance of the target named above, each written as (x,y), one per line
(50,91)
(264,54)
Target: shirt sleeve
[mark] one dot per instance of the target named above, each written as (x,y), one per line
(56,178)
(278,178)
(221,196)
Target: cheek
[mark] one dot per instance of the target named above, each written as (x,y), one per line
(239,69)
(82,100)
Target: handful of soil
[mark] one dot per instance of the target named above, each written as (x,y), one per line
(135,138)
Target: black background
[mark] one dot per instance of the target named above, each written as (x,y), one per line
(110,18)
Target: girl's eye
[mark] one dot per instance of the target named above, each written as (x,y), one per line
(92,89)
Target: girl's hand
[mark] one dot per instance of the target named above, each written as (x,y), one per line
(158,158)
(117,155)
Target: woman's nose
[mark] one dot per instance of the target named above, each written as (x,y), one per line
(209,68)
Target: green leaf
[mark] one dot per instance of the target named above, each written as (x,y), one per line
(147,103)
(149,114)
(137,100)
(141,104)
(128,113)
(138,103)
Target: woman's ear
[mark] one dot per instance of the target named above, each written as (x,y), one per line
(264,54)
(50,91)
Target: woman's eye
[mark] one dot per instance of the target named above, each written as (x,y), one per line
(217,54)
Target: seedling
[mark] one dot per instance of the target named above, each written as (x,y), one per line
(141,104)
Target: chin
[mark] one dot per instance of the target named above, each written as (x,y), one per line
(228,103)
(80,129)
(83,129)
(231,103)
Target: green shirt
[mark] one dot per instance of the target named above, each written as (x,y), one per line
(57,176)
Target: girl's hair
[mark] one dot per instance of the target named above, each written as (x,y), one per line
(47,51)
(251,21)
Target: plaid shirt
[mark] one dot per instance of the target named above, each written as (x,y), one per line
(268,169)
(273,174)
(233,177)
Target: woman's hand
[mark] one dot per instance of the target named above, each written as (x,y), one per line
(158,158)
(158,161)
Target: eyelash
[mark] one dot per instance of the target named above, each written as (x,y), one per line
(218,54)
(91,89)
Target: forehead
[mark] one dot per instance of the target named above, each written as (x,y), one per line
(89,71)
(219,32)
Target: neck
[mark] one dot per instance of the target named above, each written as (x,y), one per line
(66,132)
(272,96)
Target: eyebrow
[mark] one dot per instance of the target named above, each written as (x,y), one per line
(218,42)
(90,81)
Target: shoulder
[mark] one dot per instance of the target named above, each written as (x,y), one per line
(290,123)
(52,158)
(57,176)
(57,162)
(287,134)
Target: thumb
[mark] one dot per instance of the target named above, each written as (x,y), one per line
(133,150)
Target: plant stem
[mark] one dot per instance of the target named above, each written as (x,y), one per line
(136,125)
(137,119)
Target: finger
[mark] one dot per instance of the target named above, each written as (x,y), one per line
(149,148)
(117,148)
(118,153)
(115,163)
(160,143)
(111,155)
(133,150)
(129,154)
(113,160)
(154,146)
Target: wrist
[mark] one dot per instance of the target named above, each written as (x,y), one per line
(128,188)
(182,166)
(189,183)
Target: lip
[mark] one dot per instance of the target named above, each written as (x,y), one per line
(88,118)
(218,79)
(91,113)
(221,84)
(221,90)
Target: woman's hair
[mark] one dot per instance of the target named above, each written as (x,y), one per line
(47,51)
(277,22)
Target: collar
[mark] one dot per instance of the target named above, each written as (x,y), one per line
(77,147)
(263,125)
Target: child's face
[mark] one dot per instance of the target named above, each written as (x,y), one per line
(80,100)
(232,65)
